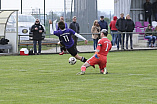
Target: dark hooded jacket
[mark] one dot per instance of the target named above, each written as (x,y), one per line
(121,24)
(148,8)
(36,34)
(129,25)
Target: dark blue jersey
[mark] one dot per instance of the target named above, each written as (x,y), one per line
(66,37)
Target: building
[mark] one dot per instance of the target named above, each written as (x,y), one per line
(86,13)
(133,7)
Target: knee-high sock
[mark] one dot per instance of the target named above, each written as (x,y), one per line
(83,68)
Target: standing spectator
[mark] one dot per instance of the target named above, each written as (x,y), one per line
(148,10)
(121,26)
(95,36)
(149,36)
(114,30)
(129,28)
(155,33)
(103,24)
(62,46)
(37,30)
(155,10)
(75,26)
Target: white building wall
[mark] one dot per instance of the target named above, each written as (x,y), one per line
(122,6)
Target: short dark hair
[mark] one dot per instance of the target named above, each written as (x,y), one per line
(61,25)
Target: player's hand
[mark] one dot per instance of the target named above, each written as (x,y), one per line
(97,55)
(86,41)
(50,22)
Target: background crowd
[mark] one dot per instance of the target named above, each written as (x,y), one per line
(120,28)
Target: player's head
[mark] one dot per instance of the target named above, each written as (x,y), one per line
(61,25)
(61,18)
(104,32)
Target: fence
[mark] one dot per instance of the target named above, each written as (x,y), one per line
(139,42)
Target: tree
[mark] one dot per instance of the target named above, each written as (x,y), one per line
(107,20)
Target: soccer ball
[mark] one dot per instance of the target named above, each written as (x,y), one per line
(72,60)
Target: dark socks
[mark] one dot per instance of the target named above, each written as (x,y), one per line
(83,59)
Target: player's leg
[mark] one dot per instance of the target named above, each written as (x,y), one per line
(102,65)
(73,52)
(62,48)
(83,68)
(90,62)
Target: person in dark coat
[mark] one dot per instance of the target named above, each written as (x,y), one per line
(37,30)
(148,10)
(121,26)
(129,28)
(155,10)
(102,23)
(75,26)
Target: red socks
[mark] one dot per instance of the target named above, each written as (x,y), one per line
(83,68)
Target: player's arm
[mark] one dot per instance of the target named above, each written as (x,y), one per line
(81,37)
(97,55)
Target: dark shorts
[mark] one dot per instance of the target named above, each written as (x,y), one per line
(72,51)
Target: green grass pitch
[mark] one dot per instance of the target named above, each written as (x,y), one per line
(50,79)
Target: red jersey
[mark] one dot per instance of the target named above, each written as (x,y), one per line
(104,46)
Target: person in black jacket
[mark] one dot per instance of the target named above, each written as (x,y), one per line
(129,28)
(121,26)
(37,30)
(75,26)
(148,10)
(155,10)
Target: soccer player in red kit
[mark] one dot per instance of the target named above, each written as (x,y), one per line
(100,56)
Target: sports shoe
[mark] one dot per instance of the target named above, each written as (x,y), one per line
(105,71)
(101,71)
(61,53)
(80,73)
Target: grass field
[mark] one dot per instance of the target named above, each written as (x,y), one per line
(50,79)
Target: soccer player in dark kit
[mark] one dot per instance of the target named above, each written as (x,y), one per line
(66,37)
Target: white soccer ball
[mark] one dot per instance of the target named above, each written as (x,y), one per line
(72,60)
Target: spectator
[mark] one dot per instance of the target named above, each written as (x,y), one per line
(103,24)
(155,32)
(148,10)
(114,30)
(155,10)
(75,26)
(95,29)
(149,36)
(62,46)
(129,28)
(37,30)
(121,26)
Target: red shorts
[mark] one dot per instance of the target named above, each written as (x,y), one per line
(102,61)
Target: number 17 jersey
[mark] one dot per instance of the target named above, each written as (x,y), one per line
(104,45)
